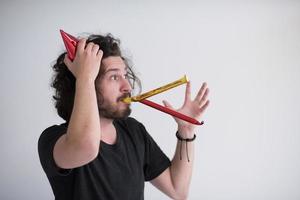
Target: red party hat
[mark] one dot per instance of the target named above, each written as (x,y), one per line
(70,43)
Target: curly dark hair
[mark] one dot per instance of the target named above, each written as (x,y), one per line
(64,81)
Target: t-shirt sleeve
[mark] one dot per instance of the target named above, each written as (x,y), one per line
(156,160)
(46,144)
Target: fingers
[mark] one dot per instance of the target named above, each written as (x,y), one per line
(201,92)
(100,54)
(203,108)
(167,104)
(95,48)
(204,97)
(89,47)
(187,92)
(80,46)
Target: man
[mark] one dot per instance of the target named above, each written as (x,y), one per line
(100,152)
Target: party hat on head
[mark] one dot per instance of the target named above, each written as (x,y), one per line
(70,43)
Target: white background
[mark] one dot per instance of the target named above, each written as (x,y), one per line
(247,52)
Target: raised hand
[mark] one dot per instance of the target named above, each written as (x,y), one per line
(193,108)
(86,64)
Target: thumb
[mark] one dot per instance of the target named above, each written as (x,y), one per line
(167,104)
(67,61)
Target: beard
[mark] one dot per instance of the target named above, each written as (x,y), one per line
(111,110)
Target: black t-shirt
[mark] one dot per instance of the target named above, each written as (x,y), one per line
(118,172)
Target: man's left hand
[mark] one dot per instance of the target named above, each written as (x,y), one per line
(192,108)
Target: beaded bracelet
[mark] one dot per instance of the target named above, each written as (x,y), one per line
(186,140)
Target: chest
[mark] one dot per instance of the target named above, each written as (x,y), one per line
(122,162)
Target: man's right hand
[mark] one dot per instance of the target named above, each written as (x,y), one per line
(87,61)
(80,144)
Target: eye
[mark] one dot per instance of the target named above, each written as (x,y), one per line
(126,76)
(114,77)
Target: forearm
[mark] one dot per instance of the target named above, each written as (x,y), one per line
(84,125)
(176,180)
(182,166)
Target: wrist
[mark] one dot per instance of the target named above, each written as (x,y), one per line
(185,132)
(83,79)
(186,139)
(85,82)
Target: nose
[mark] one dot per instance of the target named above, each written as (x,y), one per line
(126,87)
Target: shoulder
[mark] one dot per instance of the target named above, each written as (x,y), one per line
(52,132)
(46,144)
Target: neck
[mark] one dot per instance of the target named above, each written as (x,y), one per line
(108,131)
(105,124)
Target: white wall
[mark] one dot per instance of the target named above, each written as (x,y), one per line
(247,51)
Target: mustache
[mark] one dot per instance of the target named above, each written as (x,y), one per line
(123,96)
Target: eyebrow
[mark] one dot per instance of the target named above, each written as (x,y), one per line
(112,69)
(115,69)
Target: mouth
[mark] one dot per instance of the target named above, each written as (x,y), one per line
(124,98)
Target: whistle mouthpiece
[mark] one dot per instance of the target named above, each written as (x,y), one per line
(127,100)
